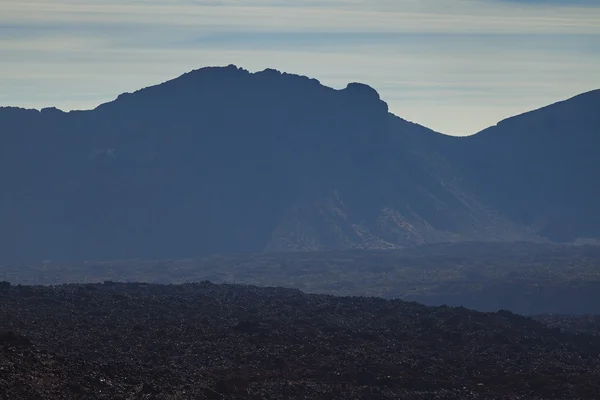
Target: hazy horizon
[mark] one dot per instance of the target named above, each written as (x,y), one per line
(454,66)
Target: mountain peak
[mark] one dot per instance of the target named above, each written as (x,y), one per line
(230,69)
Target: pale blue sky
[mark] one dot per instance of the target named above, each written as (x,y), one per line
(456,66)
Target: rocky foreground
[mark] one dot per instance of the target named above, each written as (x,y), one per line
(191,341)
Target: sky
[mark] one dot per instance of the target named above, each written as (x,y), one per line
(455,66)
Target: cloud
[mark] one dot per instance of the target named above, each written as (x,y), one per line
(285,16)
(454,65)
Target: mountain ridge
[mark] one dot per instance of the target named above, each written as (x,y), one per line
(274,72)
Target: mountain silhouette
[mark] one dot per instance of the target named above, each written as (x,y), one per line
(223,160)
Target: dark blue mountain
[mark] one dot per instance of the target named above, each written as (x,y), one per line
(223,160)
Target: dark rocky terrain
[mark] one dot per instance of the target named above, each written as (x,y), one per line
(525,278)
(589,324)
(221,160)
(191,341)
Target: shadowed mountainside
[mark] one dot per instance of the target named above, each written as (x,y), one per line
(221,160)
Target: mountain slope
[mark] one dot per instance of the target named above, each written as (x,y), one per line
(541,168)
(222,160)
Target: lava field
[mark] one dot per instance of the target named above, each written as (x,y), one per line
(196,341)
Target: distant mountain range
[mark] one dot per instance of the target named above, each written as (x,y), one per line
(222,160)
